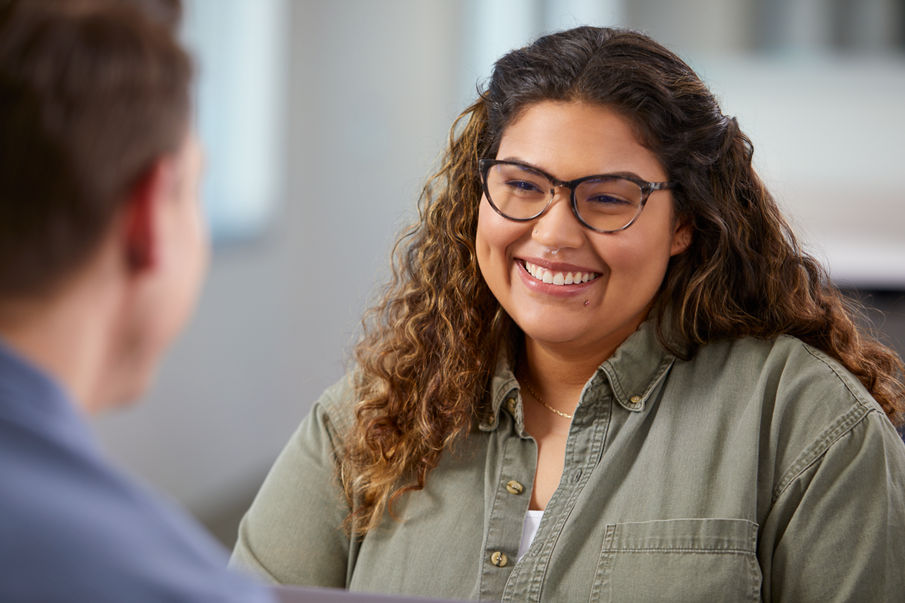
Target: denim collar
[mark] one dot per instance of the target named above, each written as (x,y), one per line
(632,374)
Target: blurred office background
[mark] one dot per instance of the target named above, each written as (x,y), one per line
(323,117)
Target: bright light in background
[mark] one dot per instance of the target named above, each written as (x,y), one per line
(828,138)
(818,86)
(572,13)
(494,27)
(240,51)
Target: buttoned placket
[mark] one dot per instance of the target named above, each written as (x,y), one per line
(511,496)
(502,576)
(584,448)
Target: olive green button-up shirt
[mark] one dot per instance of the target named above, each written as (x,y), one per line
(757,470)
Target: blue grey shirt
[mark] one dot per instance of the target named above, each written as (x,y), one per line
(73,528)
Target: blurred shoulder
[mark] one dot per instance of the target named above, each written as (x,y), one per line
(334,411)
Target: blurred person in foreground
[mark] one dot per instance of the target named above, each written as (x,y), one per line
(604,370)
(102,250)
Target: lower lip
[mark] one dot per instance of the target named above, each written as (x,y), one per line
(551,289)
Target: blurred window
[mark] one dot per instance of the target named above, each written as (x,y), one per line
(240,53)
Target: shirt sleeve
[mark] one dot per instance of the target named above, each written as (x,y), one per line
(836,530)
(293,532)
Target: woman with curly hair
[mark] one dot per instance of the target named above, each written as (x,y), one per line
(604,370)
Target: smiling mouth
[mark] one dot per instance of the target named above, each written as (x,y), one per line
(558,278)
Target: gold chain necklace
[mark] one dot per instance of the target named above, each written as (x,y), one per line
(544,404)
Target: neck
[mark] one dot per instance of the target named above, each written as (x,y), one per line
(558,379)
(568,364)
(559,372)
(66,335)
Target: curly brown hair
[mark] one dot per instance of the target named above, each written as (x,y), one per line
(430,344)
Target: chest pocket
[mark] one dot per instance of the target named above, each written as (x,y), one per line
(679,560)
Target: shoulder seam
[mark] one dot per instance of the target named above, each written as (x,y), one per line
(341,418)
(818,355)
(842,426)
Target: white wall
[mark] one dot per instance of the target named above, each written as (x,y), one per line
(828,135)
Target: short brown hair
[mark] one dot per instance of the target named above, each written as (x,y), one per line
(91,93)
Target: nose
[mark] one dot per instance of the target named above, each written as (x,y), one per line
(558,228)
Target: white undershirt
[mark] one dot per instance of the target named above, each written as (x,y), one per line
(529,531)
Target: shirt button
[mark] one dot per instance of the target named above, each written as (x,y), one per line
(499,559)
(514,487)
(510,404)
(635,399)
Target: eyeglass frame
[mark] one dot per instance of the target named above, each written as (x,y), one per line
(646,187)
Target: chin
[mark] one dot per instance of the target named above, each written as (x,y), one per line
(119,402)
(552,334)
(134,392)
(128,394)
(125,384)
(122,398)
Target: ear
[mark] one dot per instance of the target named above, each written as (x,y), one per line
(140,240)
(681,238)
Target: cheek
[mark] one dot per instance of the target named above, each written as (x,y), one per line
(203,239)
(648,244)
(635,263)
(495,235)
(483,230)
(194,252)
(493,241)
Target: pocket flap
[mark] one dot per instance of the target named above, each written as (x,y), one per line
(710,534)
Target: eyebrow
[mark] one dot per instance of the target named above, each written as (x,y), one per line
(531,166)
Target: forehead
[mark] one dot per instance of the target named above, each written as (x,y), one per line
(572,139)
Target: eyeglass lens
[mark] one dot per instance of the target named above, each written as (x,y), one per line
(605,203)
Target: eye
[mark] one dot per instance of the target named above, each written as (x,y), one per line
(607,199)
(608,194)
(524,186)
(518,181)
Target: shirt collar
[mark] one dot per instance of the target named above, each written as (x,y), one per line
(503,393)
(633,372)
(637,367)
(31,399)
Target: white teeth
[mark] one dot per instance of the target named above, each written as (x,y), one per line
(558,278)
